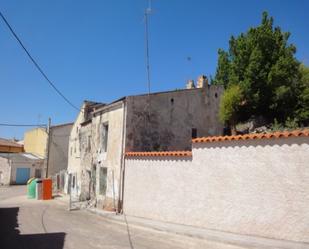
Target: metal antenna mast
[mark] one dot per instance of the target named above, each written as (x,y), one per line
(147,13)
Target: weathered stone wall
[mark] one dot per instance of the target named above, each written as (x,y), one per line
(86,152)
(166,124)
(113,115)
(74,154)
(255,187)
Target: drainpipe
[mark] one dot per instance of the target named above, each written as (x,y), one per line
(122,163)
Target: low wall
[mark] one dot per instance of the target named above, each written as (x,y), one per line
(255,187)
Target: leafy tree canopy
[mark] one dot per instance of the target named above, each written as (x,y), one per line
(230,104)
(262,63)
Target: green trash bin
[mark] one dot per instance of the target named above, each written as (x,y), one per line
(31,188)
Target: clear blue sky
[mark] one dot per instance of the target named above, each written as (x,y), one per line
(95,50)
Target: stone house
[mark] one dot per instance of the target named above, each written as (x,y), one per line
(163,121)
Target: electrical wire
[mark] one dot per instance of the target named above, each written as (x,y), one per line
(36,64)
(23,125)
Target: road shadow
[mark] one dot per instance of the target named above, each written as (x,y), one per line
(10,237)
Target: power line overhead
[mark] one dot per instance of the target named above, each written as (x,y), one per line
(23,125)
(36,64)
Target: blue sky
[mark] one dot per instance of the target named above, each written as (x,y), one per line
(95,50)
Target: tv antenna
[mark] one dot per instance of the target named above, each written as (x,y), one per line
(148,11)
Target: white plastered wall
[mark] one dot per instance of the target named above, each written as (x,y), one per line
(252,187)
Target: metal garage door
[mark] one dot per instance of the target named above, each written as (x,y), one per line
(22,175)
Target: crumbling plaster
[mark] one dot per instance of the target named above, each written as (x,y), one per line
(164,121)
(111,159)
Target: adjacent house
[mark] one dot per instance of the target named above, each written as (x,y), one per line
(10,146)
(35,141)
(17,168)
(51,145)
(58,145)
(163,121)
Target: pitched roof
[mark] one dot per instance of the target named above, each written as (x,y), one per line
(25,157)
(279,134)
(6,142)
(161,153)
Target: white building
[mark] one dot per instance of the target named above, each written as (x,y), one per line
(17,168)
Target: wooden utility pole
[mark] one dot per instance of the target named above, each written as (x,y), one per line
(48,145)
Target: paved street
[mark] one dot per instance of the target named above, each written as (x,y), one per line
(31,224)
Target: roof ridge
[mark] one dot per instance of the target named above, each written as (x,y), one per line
(277,134)
(184,153)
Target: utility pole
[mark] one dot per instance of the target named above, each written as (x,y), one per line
(48,145)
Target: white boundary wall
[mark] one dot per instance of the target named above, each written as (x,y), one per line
(255,187)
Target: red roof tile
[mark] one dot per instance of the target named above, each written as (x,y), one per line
(296,133)
(160,154)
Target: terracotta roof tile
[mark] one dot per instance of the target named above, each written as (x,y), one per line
(296,133)
(160,154)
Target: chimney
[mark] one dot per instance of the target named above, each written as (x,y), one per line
(190,84)
(202,81)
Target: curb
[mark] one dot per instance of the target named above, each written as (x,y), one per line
(245,241)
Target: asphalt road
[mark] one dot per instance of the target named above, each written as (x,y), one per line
(33,224)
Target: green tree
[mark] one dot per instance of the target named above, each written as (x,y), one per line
(230,105)
(302,111)
(262,63)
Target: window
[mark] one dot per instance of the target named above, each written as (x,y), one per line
(94,178)
(73,182)
(37,173)
(89,144)
(103,181)
(104,137)
(58,182)
(194,133)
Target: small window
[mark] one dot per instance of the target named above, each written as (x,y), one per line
(89,144)
(37,173)
(103,181)
(194,133)
(73,182)
(104,137)
(58,182)
(172,100)
(94,177)
(216,95)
